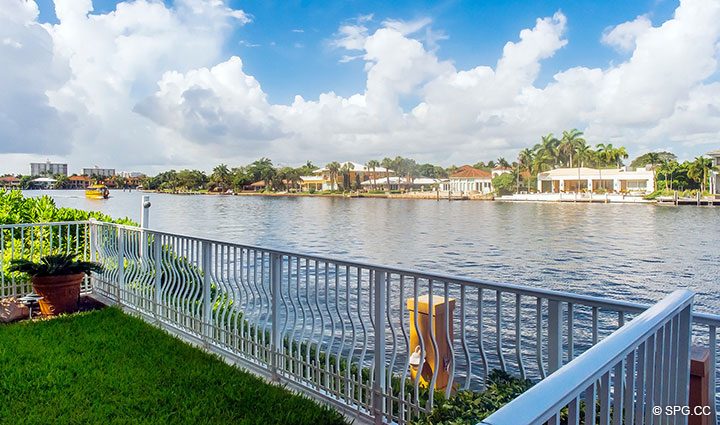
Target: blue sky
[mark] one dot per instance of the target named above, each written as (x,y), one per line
(191,83)
(287,61)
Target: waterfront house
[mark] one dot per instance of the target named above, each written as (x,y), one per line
(397,183)
(715,175)
(78,182)
(43,183)
(468,179)
(357,174)
(311,183)
(621,180)
(9,182)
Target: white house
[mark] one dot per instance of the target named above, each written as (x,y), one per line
(622,180)
(397,183)
(468,180)
(715,176)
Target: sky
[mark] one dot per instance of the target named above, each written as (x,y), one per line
(151,85)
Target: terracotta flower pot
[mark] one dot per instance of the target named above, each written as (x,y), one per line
(60,293)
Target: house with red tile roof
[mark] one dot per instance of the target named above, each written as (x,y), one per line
(467,180)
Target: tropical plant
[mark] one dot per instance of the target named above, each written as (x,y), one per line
(502,162)
(470,407)
(333,170)
(345,171)
(54,265)
(569,143)
(699,169)
(221,177)
(372,166)
(387,163)
(546,152)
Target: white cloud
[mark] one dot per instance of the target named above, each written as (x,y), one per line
(117,91)
(29,123)
(407,27)
(623,36)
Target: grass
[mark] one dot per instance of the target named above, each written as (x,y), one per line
(109,368)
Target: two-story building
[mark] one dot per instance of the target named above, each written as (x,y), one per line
(715,175)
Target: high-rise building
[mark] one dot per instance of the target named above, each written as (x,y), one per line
(47,169)
(100,172)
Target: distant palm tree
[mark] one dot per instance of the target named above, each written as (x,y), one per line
(221,177)
(569,143)
(345,171)
(699,169)
(654,159)
(583,152)
(525,161)
(502,162)
(333,169)
(372,165)
(387,163)
(547,151)
(620,154)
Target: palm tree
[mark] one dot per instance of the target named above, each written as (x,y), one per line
(525,161)
(583,152)
(333,169)
(668,167)
(372,165)
(570,142)
(698,170)
(502,162)
(345,171)
(221,177)
(547,149)
(620,154)
(654,159)
(387,163)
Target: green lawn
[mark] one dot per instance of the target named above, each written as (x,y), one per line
(106,367)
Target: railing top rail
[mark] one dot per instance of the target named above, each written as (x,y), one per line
(587,300)
(53,223)
(557,390)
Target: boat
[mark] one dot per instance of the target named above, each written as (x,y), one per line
(97,191)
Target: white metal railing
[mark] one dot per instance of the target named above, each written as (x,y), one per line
(32,241)
(643,365)
(340,330)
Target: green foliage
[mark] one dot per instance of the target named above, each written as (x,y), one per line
(102,367)
(54,265)
(652,158)
(469,407)
(504,184)
(17,209)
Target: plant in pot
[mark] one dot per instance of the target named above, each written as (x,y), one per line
(56,278)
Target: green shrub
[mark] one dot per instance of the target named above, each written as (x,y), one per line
(470,407)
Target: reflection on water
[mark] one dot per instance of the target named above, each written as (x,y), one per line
(633,252)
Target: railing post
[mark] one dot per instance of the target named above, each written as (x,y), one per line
(157,251)
(92,242)
(144,223)
(207,301)
(379,355)
(275,341)
(92,238)
(684,342)
(121,265)
(554,335)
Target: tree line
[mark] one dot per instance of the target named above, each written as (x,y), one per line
(570,150)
